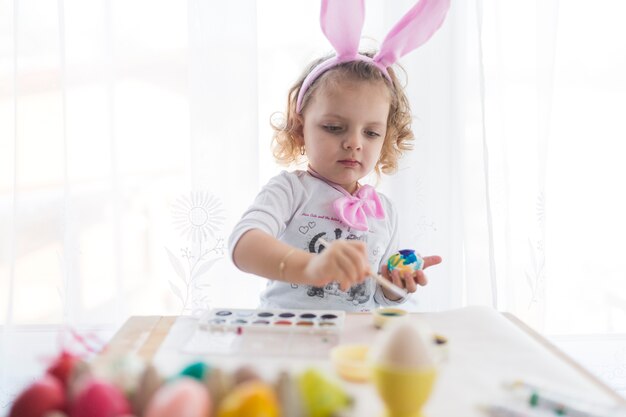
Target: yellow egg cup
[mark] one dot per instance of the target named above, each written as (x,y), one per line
(404,392)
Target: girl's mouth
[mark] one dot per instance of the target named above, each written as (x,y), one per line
(349,162)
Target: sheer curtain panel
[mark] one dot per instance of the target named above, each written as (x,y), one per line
(133,134)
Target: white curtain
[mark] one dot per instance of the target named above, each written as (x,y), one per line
(133,134)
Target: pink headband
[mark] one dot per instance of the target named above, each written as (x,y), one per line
(342,22)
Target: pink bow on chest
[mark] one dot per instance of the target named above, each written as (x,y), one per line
(354,210)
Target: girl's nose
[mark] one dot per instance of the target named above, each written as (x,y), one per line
(352,141)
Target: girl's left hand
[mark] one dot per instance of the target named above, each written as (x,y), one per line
(408,281)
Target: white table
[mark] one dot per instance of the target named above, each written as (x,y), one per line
(486,348)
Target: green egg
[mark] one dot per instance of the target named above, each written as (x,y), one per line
(196,370)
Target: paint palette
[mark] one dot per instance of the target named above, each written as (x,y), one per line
(278,333)
(298,321)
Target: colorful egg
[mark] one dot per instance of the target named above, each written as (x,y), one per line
(196,370)
(40,398)
(149,383)
(99,398)
(219,384)
(322,398)
(289,395)
(405,260)
(183,397)
(250,399)
(124,371)
(62,367)
(55,414)
(245,374)
(80,375)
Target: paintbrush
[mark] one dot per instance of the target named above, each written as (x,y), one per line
(400,292)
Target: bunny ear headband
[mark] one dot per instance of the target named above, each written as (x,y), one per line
(342,22)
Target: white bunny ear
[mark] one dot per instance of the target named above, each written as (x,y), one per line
(413,30)
(342,22)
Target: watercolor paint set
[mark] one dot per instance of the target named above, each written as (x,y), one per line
(270,332)
(299,321)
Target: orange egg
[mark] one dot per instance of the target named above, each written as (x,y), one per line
(250,399)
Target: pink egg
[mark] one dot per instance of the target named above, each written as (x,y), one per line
(39,398)
(99,398)
(184,397)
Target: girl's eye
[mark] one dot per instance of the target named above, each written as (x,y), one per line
(372,134)
(332,128)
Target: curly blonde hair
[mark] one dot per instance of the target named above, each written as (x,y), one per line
(287,138)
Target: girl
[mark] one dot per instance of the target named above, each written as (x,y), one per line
(349,116)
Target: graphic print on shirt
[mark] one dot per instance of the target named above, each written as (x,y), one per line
(357,294)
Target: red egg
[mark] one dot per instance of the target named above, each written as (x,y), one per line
(43,396)
(184,397)
(62,367)
(99,398)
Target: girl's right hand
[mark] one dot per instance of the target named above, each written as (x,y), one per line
(343,261)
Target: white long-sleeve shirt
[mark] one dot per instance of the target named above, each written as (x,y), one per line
(296,208)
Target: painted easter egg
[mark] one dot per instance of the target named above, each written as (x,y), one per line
(196,370)
(149,383)
(41,397)
(182,397)
(123,371)
(405,260)
(245,373)
(55,414)
(250,399)
(81,374)
(219,383)
(321,396)
(289,395)
(62,367)
(99,398)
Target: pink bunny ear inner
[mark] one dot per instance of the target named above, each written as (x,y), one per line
(413,30)
(342,23)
